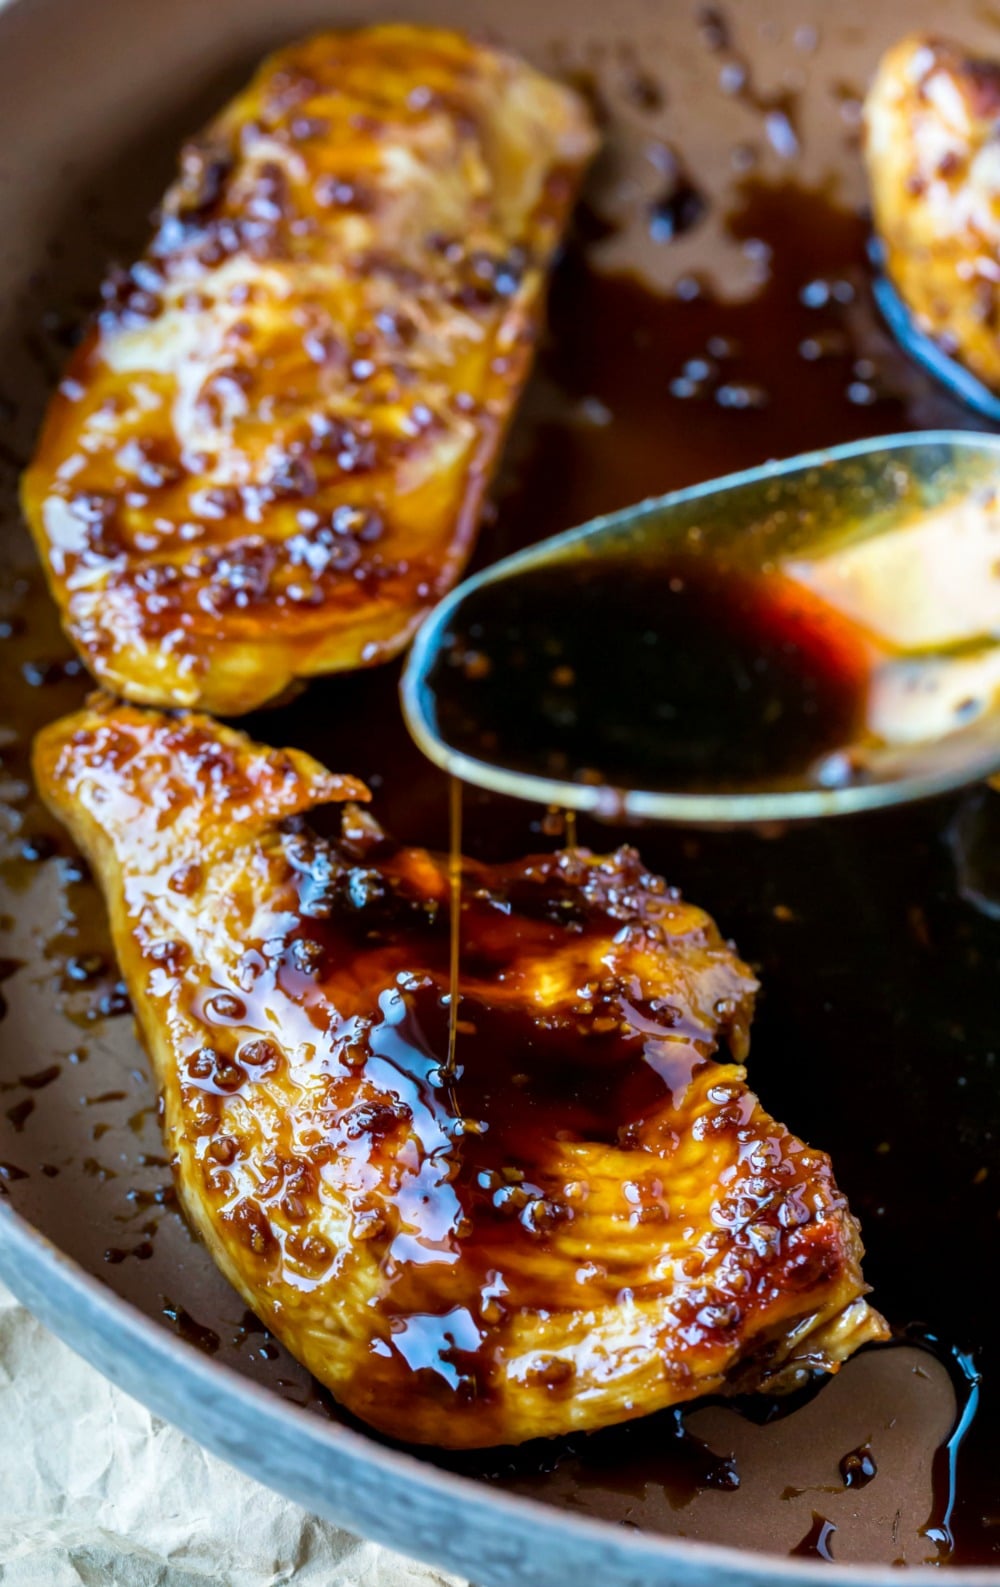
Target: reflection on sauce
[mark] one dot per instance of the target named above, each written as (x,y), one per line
(205,1339)
(41,1078)
(672,672)
(966,1379)
(816,1543)
(858,1467)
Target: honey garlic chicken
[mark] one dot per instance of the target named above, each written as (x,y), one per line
(585,1217)
(267,459)
(933,156)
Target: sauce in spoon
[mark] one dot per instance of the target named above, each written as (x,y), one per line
(660,672)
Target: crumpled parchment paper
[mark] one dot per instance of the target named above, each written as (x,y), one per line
(96,1492)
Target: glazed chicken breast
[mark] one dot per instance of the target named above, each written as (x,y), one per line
(267,459)
(581,1215)
(934,165)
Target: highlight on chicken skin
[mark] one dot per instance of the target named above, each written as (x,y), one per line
(933,158)
(268,458)
(584,1217)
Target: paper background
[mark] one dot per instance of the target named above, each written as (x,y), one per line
(96,1492)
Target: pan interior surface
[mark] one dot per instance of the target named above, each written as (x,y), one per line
(713,308)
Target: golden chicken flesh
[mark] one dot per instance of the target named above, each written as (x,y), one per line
(268,457)
(934,166)
(579,1215)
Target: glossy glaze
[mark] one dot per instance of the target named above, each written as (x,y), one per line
(585,1217)
(268,457)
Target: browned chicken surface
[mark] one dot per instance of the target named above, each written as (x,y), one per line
(267,459)
(933,155)
(584,1217)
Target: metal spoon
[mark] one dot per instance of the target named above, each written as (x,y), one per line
(897,537)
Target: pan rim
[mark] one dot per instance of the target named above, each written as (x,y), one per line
(174,1380)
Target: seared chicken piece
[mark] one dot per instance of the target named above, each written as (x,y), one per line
(586,1217)
(268,458)
(933,156)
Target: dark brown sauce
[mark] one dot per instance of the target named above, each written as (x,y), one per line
(680,208)
(858,1467)
(20,1113)
(97,1170)
(879,1026)
(248,1327)
(662,392)
(660,673)
(8,967)
(681,205)
(453,1158)
(817,1542)
(41,1078)
(966,1378)
(778,108)
(658,1450)
(802,364)
(195,1333)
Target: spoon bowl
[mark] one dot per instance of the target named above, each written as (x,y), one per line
(877,568)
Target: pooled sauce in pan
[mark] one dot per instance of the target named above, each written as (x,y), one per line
(662,392)
(878,1031)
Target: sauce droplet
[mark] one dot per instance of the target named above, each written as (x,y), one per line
(195,1333)
(816,1543)
(857,1467)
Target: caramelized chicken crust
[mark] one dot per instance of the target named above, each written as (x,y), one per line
(933,156)
(588,1216)
(267,459)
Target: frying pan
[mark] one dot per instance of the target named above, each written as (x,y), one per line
(877,1028)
